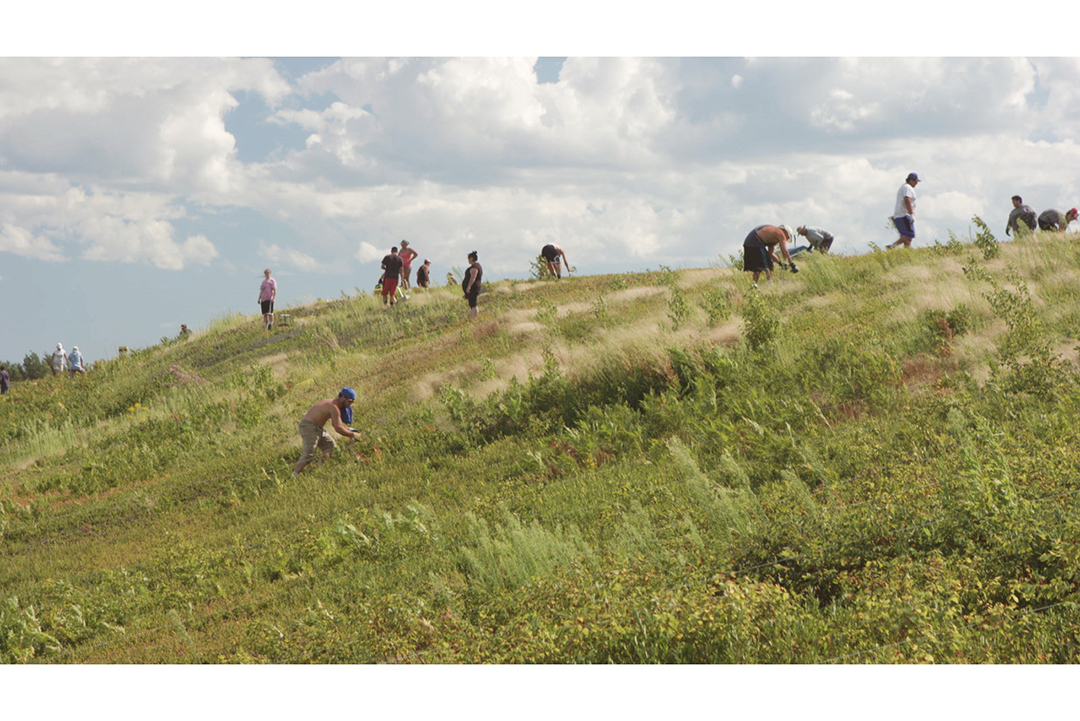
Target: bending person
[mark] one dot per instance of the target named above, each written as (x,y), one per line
(758,249)
(311,427)
(555,257)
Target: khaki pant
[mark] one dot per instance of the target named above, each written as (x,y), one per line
(314,436)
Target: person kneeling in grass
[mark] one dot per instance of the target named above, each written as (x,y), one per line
(311,427)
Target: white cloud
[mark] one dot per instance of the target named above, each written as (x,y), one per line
(294,258)
(22,242)
(629,158)
(368,253)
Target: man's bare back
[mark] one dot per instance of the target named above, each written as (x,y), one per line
(323,411)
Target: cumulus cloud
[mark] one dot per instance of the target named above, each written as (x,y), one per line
(22,242)
(636,159)
(296,259)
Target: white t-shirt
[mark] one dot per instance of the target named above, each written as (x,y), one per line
(906,191)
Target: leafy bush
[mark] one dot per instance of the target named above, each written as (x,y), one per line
(762,325)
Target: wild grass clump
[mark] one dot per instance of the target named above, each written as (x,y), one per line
(510,554)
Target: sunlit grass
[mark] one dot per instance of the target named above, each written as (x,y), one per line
(616,465)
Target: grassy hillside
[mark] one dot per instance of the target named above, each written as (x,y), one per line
(873,461)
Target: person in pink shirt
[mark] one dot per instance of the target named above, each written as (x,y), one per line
(267,295)
(407,254)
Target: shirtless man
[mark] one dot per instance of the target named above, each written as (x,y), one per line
(758,249)
(311,427)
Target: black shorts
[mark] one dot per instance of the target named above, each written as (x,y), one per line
(267,306)
(756,260)
(1043,225)
(550,254)
(472,298)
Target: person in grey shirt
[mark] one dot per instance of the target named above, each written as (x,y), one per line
(820,240)
(1020,211)
(1056,220)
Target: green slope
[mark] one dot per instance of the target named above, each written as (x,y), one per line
(873,461)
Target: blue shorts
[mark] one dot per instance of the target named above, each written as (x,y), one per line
(906,225)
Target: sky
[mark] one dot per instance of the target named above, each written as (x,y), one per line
(147,181)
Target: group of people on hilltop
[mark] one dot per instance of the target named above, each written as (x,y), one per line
(1052,219)
(397,272)
(759,248)
(759,256)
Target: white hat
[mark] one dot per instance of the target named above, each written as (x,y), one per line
(74,347)
(59,346)
(790,233)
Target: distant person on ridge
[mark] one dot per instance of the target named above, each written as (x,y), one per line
(59,359)
(820,240)
(75,362)
(555,257)
(1056,220)
(391,266)
(758,249)
(1020,212)
(311,427)
(5,379)
(470,284)
(407,254)
(267,296)
(423,274)
(903,216)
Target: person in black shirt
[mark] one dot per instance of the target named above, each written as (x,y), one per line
(391,266)
(470,284)
(423,274)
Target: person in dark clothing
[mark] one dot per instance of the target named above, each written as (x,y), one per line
(423,274)
(391,266)
(1020,212)
(758,249)
(1054,219)
(555,256)
(470,284)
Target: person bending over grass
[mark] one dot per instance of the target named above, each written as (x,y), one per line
(758,255)
(1054,219)
(555,256)
(311,427)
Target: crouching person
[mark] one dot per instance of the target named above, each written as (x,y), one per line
(311,427)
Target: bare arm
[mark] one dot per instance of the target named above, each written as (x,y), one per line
(335,421)
(909,205)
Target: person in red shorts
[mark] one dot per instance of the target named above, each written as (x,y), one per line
(391,266)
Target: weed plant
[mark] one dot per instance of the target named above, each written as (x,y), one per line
(881,468)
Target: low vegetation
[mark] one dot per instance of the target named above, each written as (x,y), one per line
(873,461)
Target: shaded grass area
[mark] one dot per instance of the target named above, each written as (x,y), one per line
(647,468)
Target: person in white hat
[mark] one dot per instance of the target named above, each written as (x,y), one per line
(759,247)
(75,362)
(58,360)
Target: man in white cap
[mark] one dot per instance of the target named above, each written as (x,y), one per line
(75,362)
(758,255)
(311,427)
(58,360)
(903,216)
(820,240)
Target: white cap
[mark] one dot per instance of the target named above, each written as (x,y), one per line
(787,229)
(74,347)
